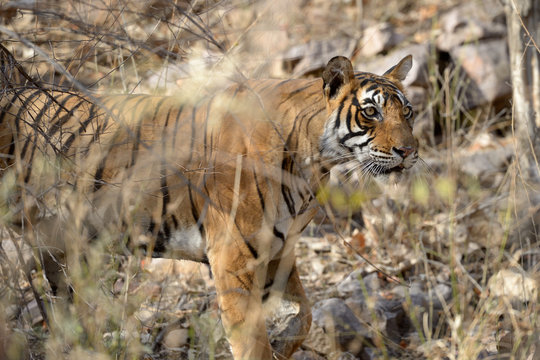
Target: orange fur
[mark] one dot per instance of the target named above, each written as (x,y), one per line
(230,179)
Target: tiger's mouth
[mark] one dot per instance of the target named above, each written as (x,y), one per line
(394,170)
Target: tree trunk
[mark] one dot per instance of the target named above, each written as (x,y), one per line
(523,21)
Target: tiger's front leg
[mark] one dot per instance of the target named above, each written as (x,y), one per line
(239,277)
(288,311)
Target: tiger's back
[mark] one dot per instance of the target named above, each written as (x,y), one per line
(228,179)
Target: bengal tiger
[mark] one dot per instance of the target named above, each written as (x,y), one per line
(229,179)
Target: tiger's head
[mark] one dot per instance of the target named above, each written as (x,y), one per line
(370,120)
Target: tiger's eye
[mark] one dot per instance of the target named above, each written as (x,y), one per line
(406,111)
(370,111)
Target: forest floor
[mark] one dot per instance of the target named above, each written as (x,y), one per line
(441,266)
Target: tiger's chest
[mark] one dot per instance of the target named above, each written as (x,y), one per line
(290,216)
(296,208)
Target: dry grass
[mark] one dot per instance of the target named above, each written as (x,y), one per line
(444,226)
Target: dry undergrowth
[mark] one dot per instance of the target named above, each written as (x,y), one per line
(447,225)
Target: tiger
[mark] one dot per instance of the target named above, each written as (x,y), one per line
(228,179)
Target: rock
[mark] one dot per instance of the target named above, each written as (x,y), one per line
(351,285)
(487,71)
(176,338)
(359,306)
(338,321)
(435,349)
(418,305)
(305,58)
(417,288)
(11,311)
(486,163)
(486,355)
(354,284)
(417,96)
(321,248)
(517,286)
(282,320)
(372,282)
(371,354)
(440,295)
(9,249)
(417,76)
(146,315)
(378,38)
(343,356)
(469,23)
(416,292)
(529,259)
(395,323)
(32,313)
(318,341)
(306,355)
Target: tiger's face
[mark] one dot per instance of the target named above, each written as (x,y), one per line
(370,121)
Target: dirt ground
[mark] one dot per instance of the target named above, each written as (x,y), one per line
(442,266)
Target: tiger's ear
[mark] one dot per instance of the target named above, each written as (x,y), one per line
(337,73)
(399,72)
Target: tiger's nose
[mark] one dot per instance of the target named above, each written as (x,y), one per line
(404,151)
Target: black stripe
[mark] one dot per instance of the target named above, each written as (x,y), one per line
(164,189)
(5,110)
(11,150)
(304,226)
(372,87)
(278,234)
(108,115)
(139,124)
(338,115)
(251,249)
(193,132)
(365,143)
(205,129)
(64,119)
(176,122)
(9,105)
(61,107)
(202,216)
(286,166)
(194,211)
(304,208)
(294,93)
(29,168)
(351,135)
(54,126)
(269,284)
(281,83)
(246,241)
(348,118)
(259,192)
(24,106)
(164,230)
(17,119)
(159,241)
(98,177)
(175,221)
(163,171)
(312,116)
(360,75)
(82,128)
(36,121)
